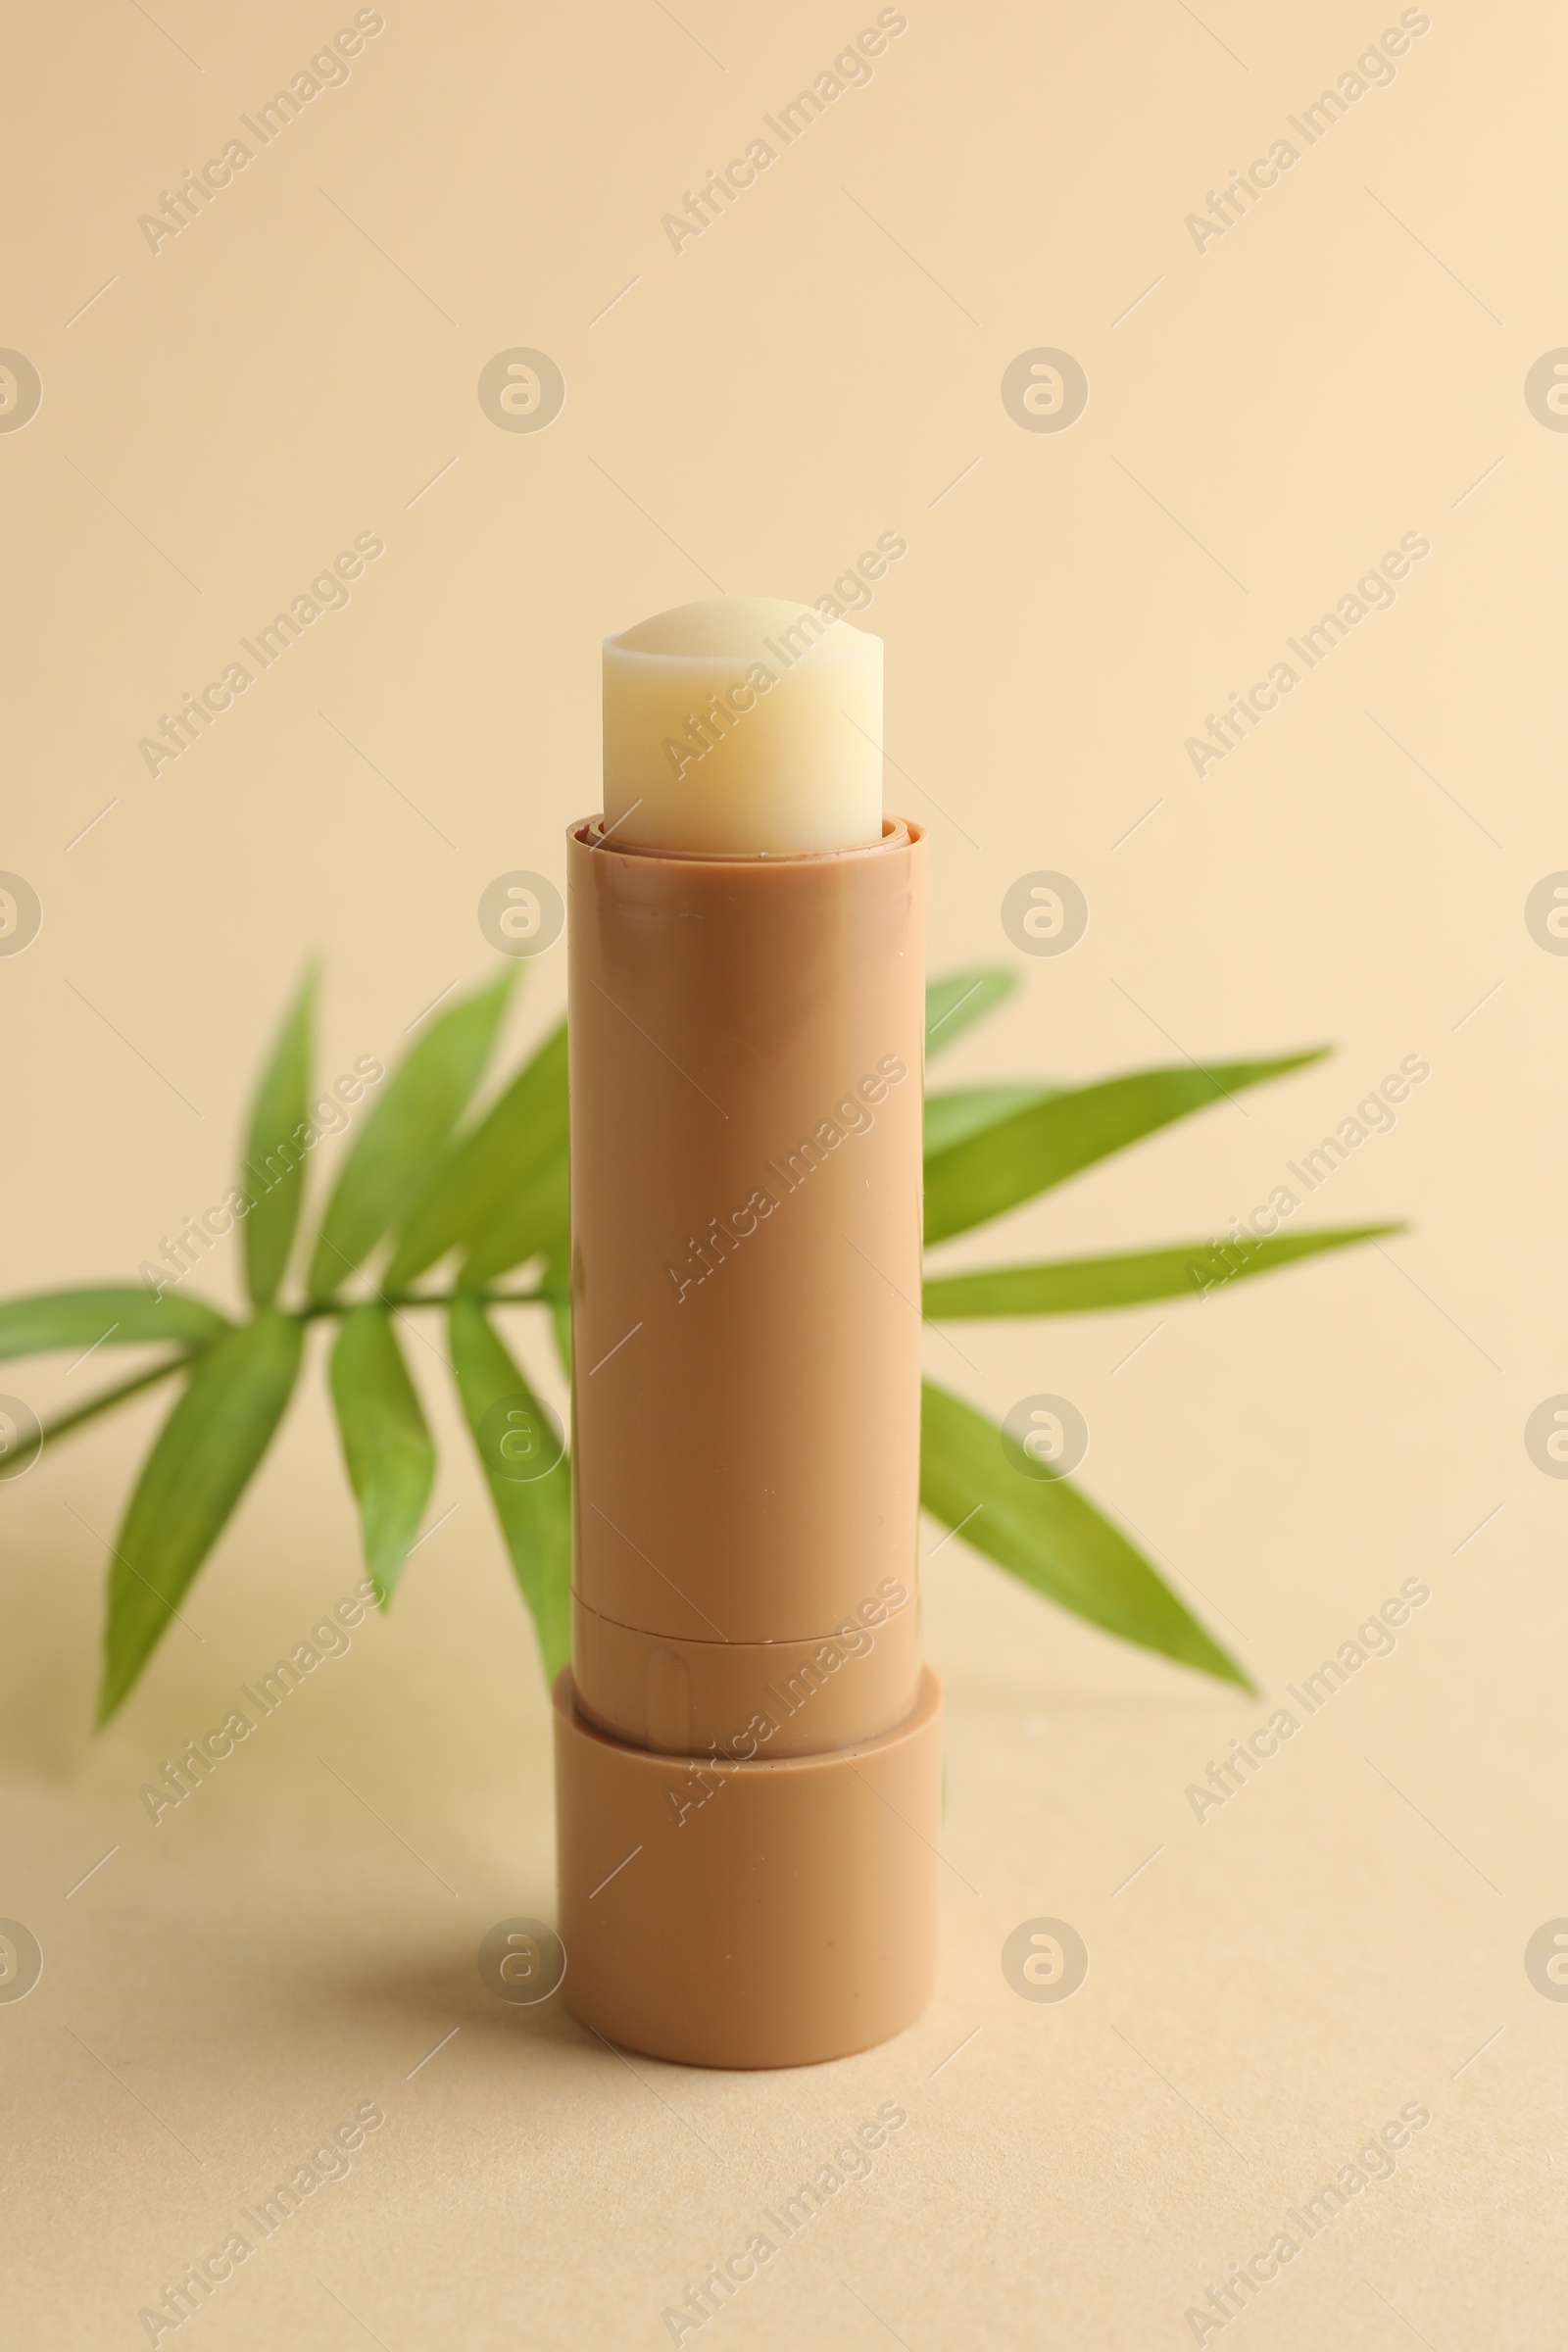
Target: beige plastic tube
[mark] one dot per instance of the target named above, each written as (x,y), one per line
(748,1744)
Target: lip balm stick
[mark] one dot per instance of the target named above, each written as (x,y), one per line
(748,1744)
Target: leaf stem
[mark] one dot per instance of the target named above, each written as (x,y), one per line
(112,1396)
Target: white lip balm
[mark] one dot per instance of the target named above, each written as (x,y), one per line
(745,725)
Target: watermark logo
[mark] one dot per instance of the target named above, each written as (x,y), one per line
(1045,391)
(522,390)
(21,391)
(519,1438)
(522,913)
(1045,1960)
(1547,1436)
(21,1960)
(1045,913)
(21,914)
(1546,1959)
(1044,1437)
(1546,390)
(522,1961)
(1545,913)
(20,1437)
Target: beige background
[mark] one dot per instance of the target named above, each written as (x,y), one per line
(1343,366)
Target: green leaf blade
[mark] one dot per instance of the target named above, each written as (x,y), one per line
(386,1442)
(477,1181)
(964,1111)
(201,1463)
(535,1222)
(1079,1286)
(956,1002)
(984,1174)
(274,1153)
(389,1160)
(554,1282)
(535,1514)
(111,1314)
(1047,1534)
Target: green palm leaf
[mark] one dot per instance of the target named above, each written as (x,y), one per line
(535,1514)
(116,1314)
(965,1110)
(390,1158)
(959,998)
(536,1221)
(199,1467)
(474,1186)
(555,1281)
(275,1152)
(495,1195)
(984,1174)
(1078,1286)
(1047,1534)
(386,1444)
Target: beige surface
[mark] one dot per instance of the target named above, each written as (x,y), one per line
(1337,371)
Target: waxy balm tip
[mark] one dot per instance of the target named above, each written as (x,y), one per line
(744,725)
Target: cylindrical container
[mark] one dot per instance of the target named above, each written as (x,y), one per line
(748,1749)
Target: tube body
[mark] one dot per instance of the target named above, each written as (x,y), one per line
(746,1089)
(746,1739)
